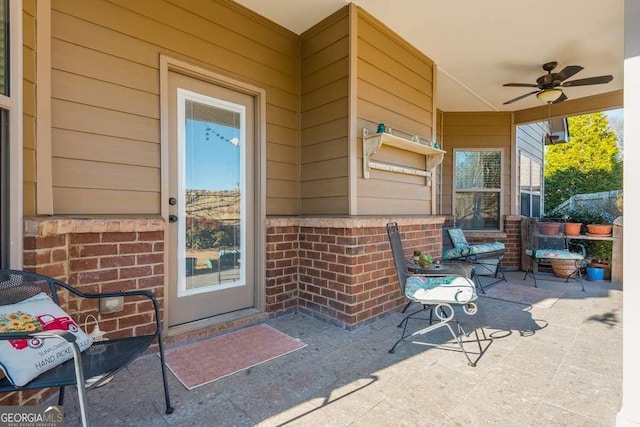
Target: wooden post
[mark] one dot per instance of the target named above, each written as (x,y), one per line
(616,256)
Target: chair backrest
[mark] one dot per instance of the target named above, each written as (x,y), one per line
(458,239)
(399,260)
(538,229)
(16,286)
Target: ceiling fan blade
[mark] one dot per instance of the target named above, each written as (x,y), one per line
(562,97)
(567,72)
(519,85)
(520,97)
(588,81)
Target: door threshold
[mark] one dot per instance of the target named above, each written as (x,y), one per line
(233,320)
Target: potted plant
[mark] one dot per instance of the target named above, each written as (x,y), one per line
(571,228)
(425,260)
(600,224)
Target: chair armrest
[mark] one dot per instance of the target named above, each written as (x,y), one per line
(55,333)
(133,293)
(580,247)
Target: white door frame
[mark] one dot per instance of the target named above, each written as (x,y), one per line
(171,64)
(14,103)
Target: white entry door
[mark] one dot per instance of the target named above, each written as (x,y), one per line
(211,188)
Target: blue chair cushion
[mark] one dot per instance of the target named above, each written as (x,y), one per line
(451,289)
(482,248)
(557,254)
(457,238)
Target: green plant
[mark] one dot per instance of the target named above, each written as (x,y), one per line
(587,216)
(427,258)
(597,250)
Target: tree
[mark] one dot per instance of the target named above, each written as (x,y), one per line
(589,163)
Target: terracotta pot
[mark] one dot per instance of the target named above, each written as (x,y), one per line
(549,228)
(572,228)
(599,229)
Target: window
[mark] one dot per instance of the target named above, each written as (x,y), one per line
(530,186)
(478,189)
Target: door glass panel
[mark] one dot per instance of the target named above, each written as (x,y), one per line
(212,194)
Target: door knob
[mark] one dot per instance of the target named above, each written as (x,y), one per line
(173,218)
(173,201)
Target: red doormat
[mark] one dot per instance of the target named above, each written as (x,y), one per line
(206,361)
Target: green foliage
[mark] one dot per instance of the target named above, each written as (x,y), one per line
(589,163)
(207,233)
(587,216)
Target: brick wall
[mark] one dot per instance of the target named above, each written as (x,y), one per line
(345,272)
(97,256)
(281,287)
(511,260)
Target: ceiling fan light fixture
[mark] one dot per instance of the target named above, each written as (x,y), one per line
(549,95)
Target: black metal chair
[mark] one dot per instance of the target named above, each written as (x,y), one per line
(437,295)
(98,363)
(486,258)
(546,242)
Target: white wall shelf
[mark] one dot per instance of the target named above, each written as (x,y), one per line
(372,143)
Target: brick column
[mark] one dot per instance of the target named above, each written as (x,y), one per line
(512,255)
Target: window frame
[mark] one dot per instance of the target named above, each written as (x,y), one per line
(532,159)
(501,190)
(13,106)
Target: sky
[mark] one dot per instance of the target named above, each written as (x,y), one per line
(212,164)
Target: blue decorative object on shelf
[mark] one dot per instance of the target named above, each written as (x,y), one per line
(381,128)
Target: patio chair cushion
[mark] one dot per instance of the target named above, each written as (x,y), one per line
(457,238)
(24,359)
(451,289)
(469,250)
(557,254)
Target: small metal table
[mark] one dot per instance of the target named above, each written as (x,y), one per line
(446,268)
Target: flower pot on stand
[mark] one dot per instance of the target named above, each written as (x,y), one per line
(549,228)
(599,229)
(572,228)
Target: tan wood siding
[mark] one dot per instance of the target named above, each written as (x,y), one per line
(324,52)
(105,94)
(394,87)
(529,138)
(476,130)
(439,188)
(29,107)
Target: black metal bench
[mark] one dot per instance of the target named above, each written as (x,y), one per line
(98,363)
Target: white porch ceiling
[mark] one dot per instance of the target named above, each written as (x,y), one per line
(479,45)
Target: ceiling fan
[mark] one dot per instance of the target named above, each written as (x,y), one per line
(548,86)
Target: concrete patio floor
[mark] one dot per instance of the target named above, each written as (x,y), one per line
(558,366)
